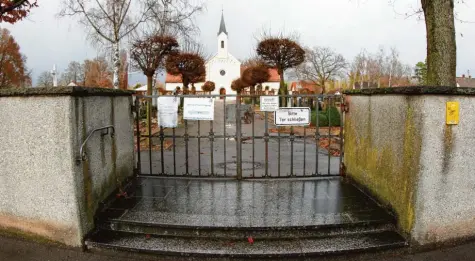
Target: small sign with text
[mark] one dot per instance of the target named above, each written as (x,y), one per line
(269,103)
(198,109)
(298,116)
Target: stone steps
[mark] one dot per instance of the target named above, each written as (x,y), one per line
(233,233)
(242,248)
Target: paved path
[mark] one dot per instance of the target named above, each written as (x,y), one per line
(305,153)
(13,249)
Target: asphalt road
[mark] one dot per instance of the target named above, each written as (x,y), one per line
(14,249)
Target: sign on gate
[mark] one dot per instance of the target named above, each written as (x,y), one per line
(269,103)
(296,116)
(168,111)
(199,109)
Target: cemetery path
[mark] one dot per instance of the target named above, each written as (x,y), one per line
(218,157)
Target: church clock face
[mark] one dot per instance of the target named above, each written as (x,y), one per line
(222,72)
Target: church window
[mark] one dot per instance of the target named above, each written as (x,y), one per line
(222,44)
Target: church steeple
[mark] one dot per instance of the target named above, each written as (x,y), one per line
(222,26)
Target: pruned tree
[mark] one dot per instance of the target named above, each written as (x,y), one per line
(208,87)
(150,53)
(12,11)
(13,72)
(107,22)
(322,65)
(255,75)
(190,66)
(282,53)
(45,79)
(238,85)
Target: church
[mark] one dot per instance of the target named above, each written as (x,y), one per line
(222,69)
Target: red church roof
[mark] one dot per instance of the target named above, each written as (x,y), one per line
(173,79)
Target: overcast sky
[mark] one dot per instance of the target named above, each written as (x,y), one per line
(347,26)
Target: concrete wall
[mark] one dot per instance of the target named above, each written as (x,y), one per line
(399,147)
(43,189)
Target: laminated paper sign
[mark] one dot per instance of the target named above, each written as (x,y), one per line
(199,109)
(168,111)
(297,116)
(269,103)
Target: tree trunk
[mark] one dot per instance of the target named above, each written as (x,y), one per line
(282,89)
(149,102)
(116,61)
(441,43)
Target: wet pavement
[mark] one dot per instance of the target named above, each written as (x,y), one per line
(249,204)
(217,157)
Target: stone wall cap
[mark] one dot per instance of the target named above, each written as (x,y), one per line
(64,91)
(414,90)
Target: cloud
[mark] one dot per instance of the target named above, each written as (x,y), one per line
(347,26)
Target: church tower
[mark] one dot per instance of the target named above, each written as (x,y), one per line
(222,39)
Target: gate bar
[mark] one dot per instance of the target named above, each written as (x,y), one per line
(139,136)
(224,132)
(238,138)
(317,133)
(149,112)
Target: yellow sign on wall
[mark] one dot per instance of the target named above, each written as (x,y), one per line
(453,113)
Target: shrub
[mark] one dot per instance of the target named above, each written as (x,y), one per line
(323,117)
(334,116)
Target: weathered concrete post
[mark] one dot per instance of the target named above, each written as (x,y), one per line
(400,147)
(46,188)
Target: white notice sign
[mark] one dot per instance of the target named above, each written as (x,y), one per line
(168,111)
(297,116)
(198,109)
(269,103)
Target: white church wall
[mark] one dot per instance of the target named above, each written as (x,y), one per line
(272,85)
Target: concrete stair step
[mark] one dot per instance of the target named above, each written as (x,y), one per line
(268,233)
(242,248)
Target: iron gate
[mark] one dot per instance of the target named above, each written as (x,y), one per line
(241,142)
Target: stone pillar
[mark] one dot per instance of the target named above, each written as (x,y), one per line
(46,189)
(399,148)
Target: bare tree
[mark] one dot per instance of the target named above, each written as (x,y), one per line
(108,22)
(280,52)
(175,17)
(149,54)
(45,79)
(74,73)
(189,66)
(322,65)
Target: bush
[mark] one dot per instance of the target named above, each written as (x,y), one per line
(335,117)
(323,117)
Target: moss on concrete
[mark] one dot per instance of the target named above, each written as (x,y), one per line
(63,91)
(414,90)
(382,170)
